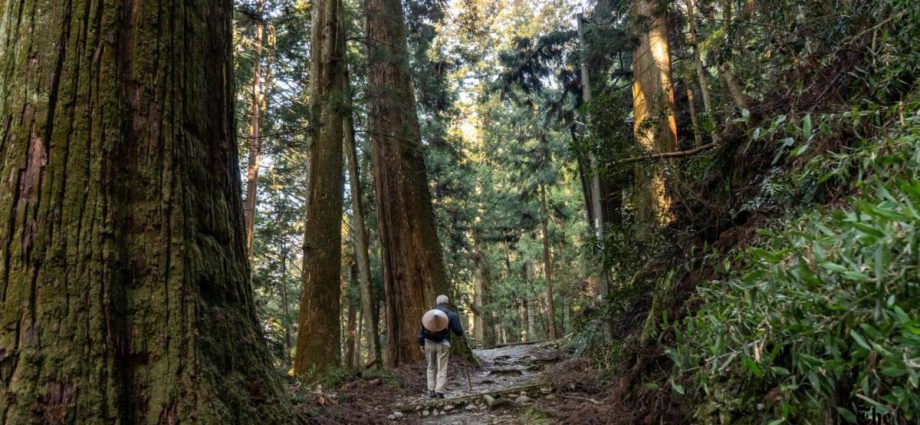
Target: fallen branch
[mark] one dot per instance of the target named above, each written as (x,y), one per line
(666,155)
(581,398)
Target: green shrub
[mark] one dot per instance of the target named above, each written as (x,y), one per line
(822,321)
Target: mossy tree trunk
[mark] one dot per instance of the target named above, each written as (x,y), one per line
(701,75)
(655,125)
(413,269)
(319,331)
(124,289)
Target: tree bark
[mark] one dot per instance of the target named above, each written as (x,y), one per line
(701,74)
(528,325)
(319,333)
(358,350)
(522,330)
(351,317)
(547,265)
(359,228)
(655,126)
(255,128)
(285,313)
(124,283)
(413,269)
(479,331)
(728,78)
(484,324)
(597,206)
(694,120)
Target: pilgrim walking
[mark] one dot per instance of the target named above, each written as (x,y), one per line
(434,342)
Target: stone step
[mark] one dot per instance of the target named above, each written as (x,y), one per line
(480,400)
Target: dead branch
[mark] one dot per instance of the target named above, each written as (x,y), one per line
(581,398)
(666,155)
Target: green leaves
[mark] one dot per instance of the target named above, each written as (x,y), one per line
(825,305)
(751,366)
(847,415)
(860,340)
(678,388)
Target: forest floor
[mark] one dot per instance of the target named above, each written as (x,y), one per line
(534,383)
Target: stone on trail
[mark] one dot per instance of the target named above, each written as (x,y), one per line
(523,399)
(513,382)
(490,401)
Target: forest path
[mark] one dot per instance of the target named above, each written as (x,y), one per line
(508,380)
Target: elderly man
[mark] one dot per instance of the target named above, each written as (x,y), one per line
(434,342)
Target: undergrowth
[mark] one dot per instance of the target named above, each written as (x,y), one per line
(819,321)
(335,377)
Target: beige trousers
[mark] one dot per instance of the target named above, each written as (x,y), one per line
(437,355)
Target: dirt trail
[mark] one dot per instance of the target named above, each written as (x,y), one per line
(508,381)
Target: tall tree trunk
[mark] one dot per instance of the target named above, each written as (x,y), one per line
(584,172)
(358,350)
(728,78)
(485,328)
(479,321)
(255,127)
(701,74)
(655,126)
(413,269)
(566,316)
(531,323)
(359,228)
(527,319)
(351,317)
(124,284)
(479,331)
(597,208)
(318,336)
(547,265)
(285,313)
(522,330)
(694,120)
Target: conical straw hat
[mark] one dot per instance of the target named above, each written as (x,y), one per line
(434,320)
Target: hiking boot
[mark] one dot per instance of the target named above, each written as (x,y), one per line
(439,395)
(432,394)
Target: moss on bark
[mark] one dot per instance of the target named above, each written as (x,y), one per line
(319,334)
(125,294)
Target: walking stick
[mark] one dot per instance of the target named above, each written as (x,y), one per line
(466,365)
(469,381)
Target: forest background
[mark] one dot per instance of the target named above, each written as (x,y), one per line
(711,205)
(565,209)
